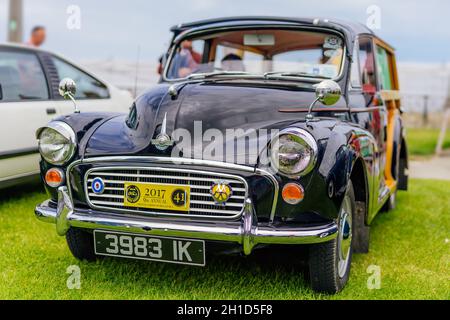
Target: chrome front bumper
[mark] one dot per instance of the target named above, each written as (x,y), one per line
(246,232)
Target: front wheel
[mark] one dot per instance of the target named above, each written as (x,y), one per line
(81,244)
(329,262)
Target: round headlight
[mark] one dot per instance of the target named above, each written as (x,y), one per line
(57,142)
(293,152)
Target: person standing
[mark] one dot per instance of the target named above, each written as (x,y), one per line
(185,61)
(37,37)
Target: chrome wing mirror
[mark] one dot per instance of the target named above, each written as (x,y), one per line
(67,89)
(328,92)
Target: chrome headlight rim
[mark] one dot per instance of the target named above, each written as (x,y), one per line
(310,142)
(65,131)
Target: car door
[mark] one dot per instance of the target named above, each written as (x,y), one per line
(25,106)
(388,88)
(366,90)
(92,94)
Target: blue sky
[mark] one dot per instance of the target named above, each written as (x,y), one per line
(419,30)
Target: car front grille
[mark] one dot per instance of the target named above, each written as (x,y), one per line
(201,202)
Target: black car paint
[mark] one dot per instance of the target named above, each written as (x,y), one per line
(230,105)
(343,138)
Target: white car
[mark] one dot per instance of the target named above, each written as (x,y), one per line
(29,99)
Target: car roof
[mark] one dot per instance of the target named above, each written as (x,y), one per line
(59,56)
(21,46)
(351,27)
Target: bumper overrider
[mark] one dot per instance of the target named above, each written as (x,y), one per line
(246,232)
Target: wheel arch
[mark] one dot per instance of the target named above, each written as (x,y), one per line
(361,230)
(358,177)
(352,149)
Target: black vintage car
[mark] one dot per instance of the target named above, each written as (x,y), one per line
(262,131)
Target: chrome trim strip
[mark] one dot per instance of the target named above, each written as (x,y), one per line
(68,170)
(246,232)
(18,153)
(185,215)
(172,160)
(64,210)
(186,161)
(45,213)
(19,176)
(132,175)
(276,192)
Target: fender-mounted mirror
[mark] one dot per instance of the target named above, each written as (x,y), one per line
(67,89)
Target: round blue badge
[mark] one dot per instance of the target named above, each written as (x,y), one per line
(98,186)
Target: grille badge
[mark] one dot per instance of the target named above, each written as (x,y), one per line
(98,186)
(221,192)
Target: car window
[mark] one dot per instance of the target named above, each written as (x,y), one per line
(87,87)
(308,57)
(367,66)
(231,59)
(355,75)
(311,54)
(384,69)
(21,77)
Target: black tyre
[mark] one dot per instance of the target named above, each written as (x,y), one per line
(329,262)
(81,244)
(403,174)
(361,232)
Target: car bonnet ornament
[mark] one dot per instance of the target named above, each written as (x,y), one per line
(163,140)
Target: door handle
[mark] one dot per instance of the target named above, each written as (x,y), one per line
(51,111)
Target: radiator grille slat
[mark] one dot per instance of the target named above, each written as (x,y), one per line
(146,176)
(200,182)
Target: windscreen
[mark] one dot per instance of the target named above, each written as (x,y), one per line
(305,53)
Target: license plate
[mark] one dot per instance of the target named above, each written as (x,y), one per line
(157,196)
(142,247)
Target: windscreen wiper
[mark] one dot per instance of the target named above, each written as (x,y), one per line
(201,77)
(293,74)
(216,74)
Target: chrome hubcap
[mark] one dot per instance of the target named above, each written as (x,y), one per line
(344,236)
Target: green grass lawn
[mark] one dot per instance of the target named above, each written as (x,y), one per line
(422,142)
(411,245)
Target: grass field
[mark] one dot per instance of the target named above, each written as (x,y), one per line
(422,142)
(411,245)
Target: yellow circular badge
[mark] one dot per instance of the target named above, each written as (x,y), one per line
(133,194)
(221,192)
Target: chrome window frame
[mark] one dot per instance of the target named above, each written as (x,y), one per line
(355,64)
